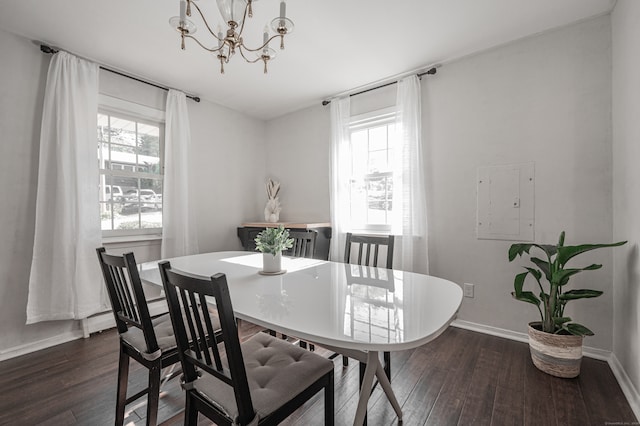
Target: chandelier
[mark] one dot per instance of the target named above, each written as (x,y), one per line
(234,14)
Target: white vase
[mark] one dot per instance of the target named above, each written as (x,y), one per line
(272,210)
(271,263)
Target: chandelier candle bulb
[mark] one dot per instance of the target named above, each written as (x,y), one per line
(283,9)
(265,39)
(220,38)
(183,13)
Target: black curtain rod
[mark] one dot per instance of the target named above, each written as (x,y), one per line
(430,71)
(48,49)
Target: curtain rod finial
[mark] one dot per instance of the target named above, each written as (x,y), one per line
(47,49)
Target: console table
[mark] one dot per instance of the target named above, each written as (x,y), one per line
(250,230)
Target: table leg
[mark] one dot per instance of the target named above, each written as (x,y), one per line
(373,368)
(386,386)
(373,364)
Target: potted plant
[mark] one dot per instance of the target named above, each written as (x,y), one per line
(555,341)
(271,242)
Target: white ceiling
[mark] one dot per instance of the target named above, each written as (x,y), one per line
(337,45)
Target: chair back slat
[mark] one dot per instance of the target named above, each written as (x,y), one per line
(304,243)
(210,331)
(186,300)
(127,297)
(129,310)
(200,336)
(202,346)
(369,247)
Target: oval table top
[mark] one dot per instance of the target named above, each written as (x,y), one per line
(336,304)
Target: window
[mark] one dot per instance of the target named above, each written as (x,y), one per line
(130,153)
(372,163)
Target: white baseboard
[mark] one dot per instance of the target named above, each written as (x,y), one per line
(596,353)
(93,324)
(629,390)
(493,331)
(27,348)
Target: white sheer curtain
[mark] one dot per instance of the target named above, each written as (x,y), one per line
(179,232)
(409,176)
(65,280)
(340,173)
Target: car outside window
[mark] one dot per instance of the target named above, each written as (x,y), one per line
(130,150)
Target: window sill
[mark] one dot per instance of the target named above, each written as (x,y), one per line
(371,231)
(131,239)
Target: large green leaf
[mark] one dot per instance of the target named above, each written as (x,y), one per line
(593,267)
(550,249)
(577,329)
(562,276)
(526,296)
(568,252)
(518,282)
(544,267)
(580,294)
(562,320)
(536,274)
(520,248)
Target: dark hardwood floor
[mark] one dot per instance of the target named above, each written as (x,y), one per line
(461,378)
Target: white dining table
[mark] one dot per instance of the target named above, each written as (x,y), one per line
(350,309)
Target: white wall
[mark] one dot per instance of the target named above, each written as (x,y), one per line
(227,173)
(626,188)
(228,177)
(297,154)
(545,99)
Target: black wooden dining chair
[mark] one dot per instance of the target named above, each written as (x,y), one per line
(369,250)
(304,243)
(149,341)
(259,382)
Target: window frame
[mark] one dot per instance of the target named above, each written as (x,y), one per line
(142,114)
(369,120)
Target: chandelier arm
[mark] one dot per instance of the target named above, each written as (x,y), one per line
(247,59)
(206,24)
(219,49)
(263,46)
(244,18)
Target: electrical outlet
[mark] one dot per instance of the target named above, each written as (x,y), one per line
(468,290)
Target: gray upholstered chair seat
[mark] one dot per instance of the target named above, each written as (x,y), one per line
(276,372)
(164,335)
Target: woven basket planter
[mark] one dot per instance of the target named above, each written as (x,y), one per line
(557,354)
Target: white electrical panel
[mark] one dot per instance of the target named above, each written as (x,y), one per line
(506,202)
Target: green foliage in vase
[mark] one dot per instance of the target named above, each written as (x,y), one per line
(273,240)
(554,296)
